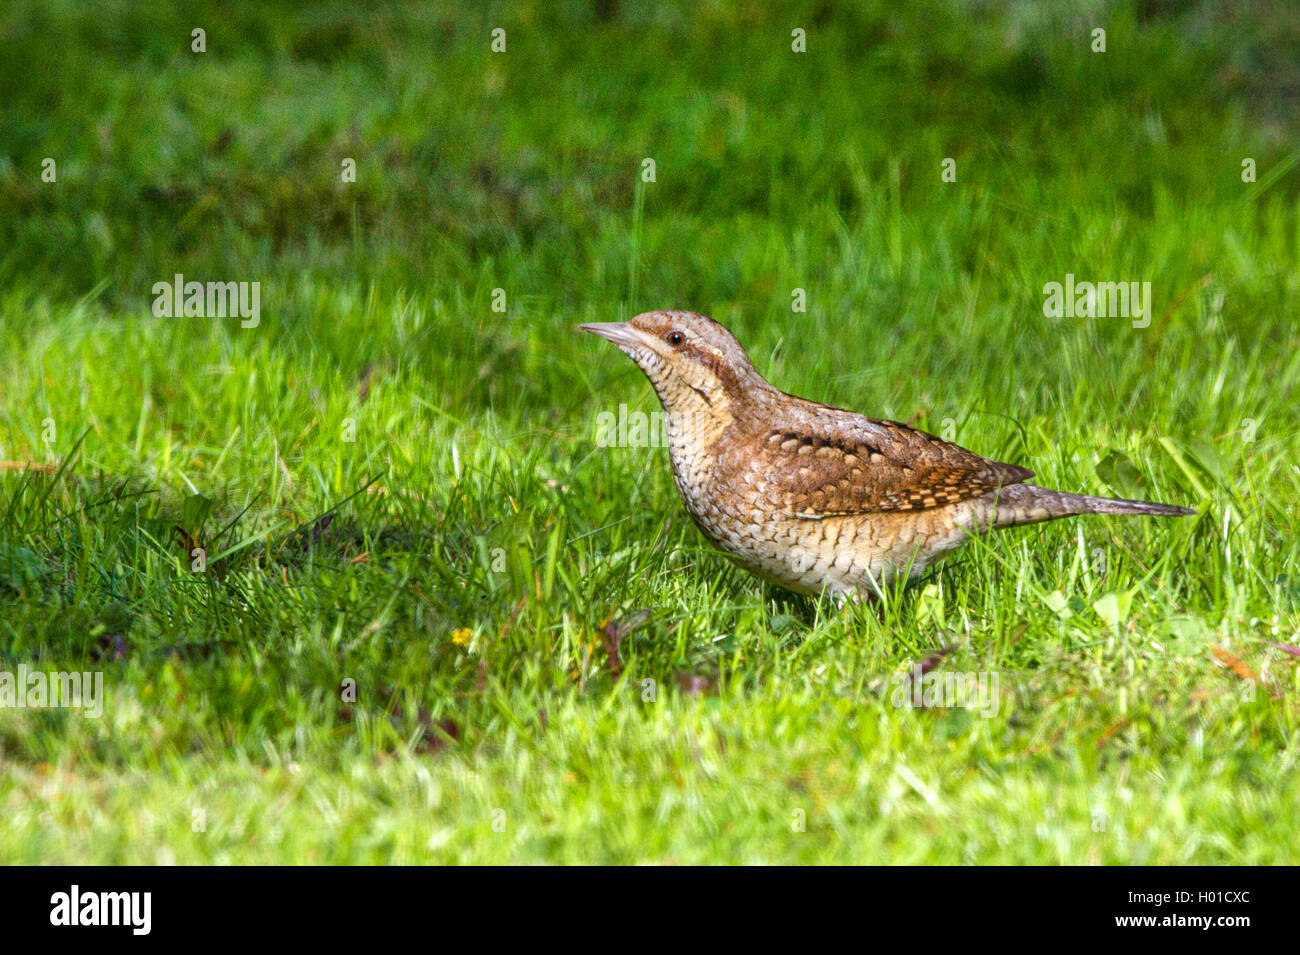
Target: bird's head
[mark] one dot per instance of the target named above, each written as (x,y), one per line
(693,362)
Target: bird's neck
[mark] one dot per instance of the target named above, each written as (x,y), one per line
(699,413)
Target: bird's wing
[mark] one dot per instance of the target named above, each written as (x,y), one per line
(835,463)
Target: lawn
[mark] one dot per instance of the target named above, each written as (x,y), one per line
(364,586)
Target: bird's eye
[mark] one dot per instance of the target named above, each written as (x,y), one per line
(674,338)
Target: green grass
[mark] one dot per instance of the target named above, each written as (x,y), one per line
(462,558)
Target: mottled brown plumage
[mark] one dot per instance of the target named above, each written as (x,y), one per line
(813,497)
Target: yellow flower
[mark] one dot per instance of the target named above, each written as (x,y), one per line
(462,636)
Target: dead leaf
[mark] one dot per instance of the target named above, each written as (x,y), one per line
(363,381)
(1111,730)
(934,659)
(435,736)
(1233,663)
(693,684)
(615,631)
(29,466)
(311,534)
(223,141)
(111,647)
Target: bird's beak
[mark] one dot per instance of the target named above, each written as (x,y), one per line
(621,334)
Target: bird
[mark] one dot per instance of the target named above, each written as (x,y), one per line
(813,498)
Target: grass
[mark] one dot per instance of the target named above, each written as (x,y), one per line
(400,647)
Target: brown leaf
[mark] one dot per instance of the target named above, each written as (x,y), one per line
(1233,663)
(693,684)
(111,646)
(223,141)
(435,736)
(615,631)
(312,536)
(1111,730)
(169,192)
(187,541)
(934,659)
(29,466)
(363,381)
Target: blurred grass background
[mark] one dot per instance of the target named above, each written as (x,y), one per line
(466,559)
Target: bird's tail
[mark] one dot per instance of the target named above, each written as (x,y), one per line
(1030,504)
